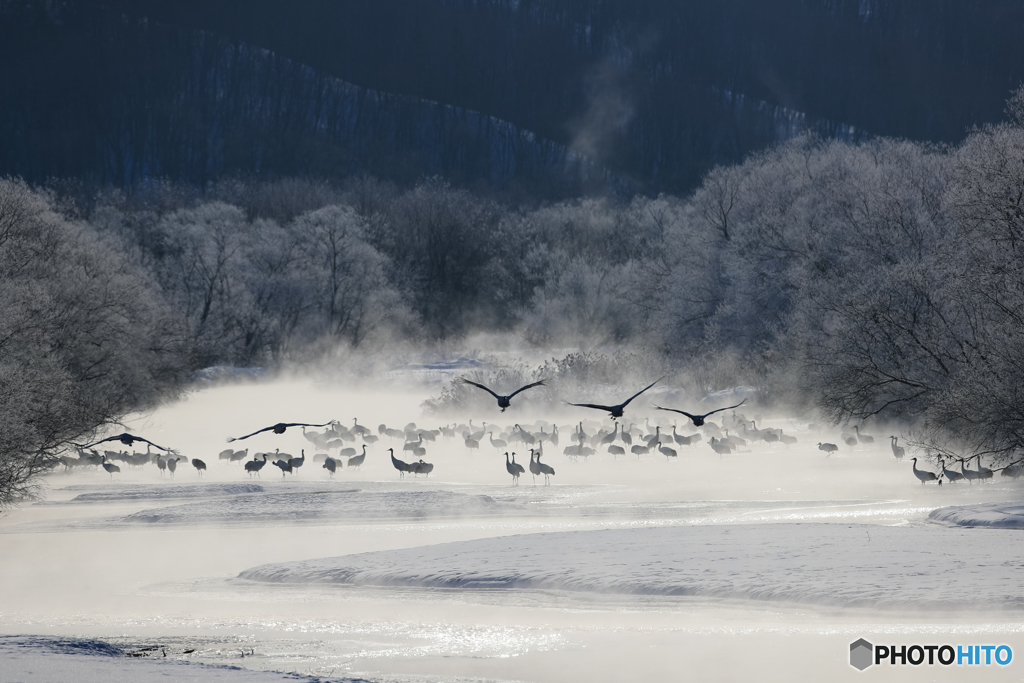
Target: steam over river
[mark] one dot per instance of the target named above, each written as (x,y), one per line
(760,565)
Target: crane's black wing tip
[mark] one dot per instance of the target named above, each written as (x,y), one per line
(592,405)
(463,380)
(727,408)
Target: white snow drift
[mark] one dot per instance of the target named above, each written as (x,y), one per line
(993,515)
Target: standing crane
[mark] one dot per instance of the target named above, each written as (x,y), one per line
(609,439)
(514,468)
(110,467)
(1013,470)
(923,475)
(950,475)
(970,475)
(863,438)
(357,460)
(626,435)
(285,466)
(534,468)
(422,468)
(719,447)
(497,443)
(401,466)
(983,472)
(545,469)
(829,448)
(254,466)
(330,464)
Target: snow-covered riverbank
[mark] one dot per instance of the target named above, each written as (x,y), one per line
(824,564)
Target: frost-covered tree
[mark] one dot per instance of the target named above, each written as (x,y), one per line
(203,258)
(84,337)
(874,280)
(582,303)
(273,294)
(350,293)
(440,240)
(984,404)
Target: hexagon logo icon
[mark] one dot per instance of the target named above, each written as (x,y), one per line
(861,654)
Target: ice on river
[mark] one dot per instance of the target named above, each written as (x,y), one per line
(344,504)
(82,660)
(825,564)
(125,494)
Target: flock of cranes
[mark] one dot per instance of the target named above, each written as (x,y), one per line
(165,462)
(335,447)
(1013,471)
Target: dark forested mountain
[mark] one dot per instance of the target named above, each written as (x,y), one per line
(553,94)
(116,99)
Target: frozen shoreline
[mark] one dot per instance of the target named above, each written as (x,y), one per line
(825,564)
(991,515)
(48,658)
